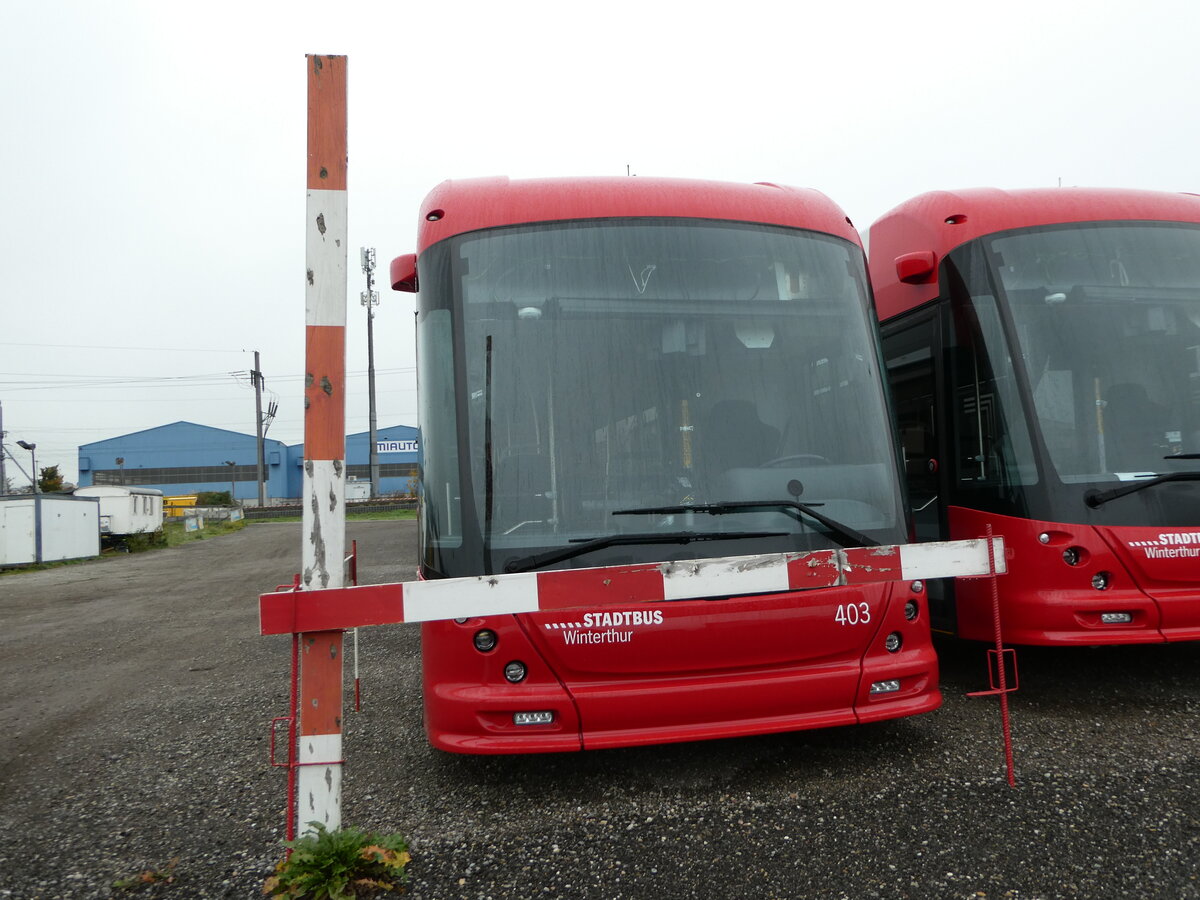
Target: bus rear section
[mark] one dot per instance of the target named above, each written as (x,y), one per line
(629,371)
(1043,352)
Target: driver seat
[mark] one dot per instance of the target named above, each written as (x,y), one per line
(732,436)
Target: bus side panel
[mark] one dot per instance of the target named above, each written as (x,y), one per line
(1043,599)
(1165,563)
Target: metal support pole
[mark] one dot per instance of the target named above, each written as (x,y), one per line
(33,477)
(3,478)
(324,528)
(37,527)
(16,462)
(999,660)
(37,500)
(370,299)
(258,420)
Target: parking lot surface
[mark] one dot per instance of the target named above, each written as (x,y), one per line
(135,695)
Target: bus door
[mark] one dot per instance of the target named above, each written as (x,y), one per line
(911,350)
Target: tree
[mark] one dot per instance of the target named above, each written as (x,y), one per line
(50,480)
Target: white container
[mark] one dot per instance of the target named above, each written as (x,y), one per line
(48,528)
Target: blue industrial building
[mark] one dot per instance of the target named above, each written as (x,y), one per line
(184,458)
(399,448)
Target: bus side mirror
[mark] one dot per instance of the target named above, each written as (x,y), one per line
(914,268)
(404,273)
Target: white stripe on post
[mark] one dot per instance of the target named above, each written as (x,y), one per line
(325,225)
(324,523)
(321,791)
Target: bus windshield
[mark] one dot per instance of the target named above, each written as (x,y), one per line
(1107,322)
(574,372)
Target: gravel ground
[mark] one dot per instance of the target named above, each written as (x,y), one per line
(135,695)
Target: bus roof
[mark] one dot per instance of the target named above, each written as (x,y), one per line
(937,222)
(460,206)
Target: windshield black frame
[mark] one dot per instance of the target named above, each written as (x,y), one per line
(471,458)
(990,282)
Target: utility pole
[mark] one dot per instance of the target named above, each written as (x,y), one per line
(232,479)
(258,421)
(3,479)
(37,500)
(370,299)
(31,447)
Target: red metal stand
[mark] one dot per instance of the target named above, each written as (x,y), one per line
(352,578)
(999,660)
(290,718)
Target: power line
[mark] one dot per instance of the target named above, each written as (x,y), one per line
(110,347)
(240,377)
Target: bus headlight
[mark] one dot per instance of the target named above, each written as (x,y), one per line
(485,640)
(1100,581)
(515,672)
(538,717)
(893,642)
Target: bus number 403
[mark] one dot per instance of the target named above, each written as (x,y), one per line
(853,614)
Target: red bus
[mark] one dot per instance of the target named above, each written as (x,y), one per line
(624,370)
(1043,353)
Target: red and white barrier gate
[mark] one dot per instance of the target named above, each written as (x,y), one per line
(300,611)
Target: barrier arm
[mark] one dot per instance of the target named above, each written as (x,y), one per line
(318,610)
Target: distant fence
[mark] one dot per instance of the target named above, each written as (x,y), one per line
(256,513)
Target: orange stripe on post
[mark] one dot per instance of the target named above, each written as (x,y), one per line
(324,392)
(321,669)
(326,123)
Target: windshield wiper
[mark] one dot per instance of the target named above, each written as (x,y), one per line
(537,560)
(842,534)
(1094,498)
(1183,456)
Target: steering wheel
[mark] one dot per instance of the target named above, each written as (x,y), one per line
(779,461)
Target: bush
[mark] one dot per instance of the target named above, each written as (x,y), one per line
(136,543)
(340,865)
(213,498)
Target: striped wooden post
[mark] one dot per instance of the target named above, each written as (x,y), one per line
(320,741)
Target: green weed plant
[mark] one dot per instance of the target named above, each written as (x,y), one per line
(343,864)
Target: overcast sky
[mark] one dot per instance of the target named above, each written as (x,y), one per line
(152,231)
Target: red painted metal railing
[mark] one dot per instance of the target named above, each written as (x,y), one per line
(999,660)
